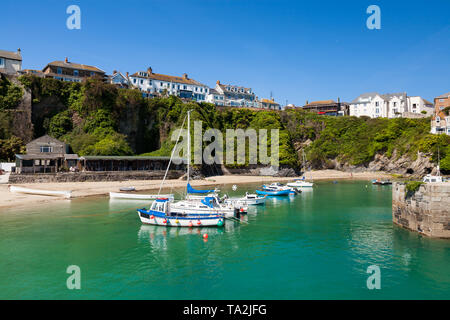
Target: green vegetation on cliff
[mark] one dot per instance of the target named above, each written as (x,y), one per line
(356,141)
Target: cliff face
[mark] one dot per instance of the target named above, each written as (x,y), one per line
(396,164)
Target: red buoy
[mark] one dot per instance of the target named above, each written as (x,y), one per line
(152,217)
(205,236)
(190,224)
(199,223)
(165,221)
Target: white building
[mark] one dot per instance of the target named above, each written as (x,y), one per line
(233,96)
(10,62)
(153,84)
(392,105)
(420,106)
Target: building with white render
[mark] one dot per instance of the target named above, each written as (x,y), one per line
(152,84)
(420,106)
(233,96)
(392,105)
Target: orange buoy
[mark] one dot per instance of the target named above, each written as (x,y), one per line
(205,236)
(199,223)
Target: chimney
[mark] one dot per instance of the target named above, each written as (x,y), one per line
(149,70)
(127,74)
(185,76)
(19,51)
(67,60)
(306,102)
(115,71)
(218,82)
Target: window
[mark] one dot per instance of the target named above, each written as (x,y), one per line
(59,71)
(2,62)
(46,149)
(75,73)
(377,104)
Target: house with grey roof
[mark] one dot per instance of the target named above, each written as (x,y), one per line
(390,105)
(10,62)
(233,96)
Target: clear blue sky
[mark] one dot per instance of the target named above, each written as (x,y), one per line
(299,50)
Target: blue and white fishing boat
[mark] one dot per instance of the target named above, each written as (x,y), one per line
(161,214)
(276,186)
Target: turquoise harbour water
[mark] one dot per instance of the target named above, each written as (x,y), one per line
(317,245)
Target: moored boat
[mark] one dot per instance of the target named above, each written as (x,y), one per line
(276,186)
(248,199)
(273,193)
(381,182)
(65,194)
(124,195)
(161,214)
(300,183)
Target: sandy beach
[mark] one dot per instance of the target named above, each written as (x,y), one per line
(86,189)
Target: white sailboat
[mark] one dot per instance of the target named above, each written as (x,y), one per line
(185,213)
(437,178)
(302,183)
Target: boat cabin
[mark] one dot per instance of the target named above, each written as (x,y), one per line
(160,205)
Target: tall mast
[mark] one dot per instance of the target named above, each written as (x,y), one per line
(189,146)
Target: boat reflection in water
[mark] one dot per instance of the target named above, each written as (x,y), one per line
(158,236)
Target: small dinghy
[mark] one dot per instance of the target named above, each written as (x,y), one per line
(273,193)
(136,196)
(65,194)
(381,182)
(127,189)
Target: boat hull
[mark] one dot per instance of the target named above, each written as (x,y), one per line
(274,193)
(247,202)
(300,185)
(155,218)
(65,194)
(119,195)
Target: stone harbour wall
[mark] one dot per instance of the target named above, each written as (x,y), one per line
(427,211)
(94,176)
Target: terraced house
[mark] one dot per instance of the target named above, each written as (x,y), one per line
(440,123)
(71,71)
(233,96)
(391,105)
(152,84)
